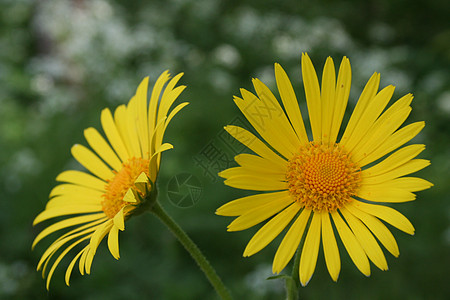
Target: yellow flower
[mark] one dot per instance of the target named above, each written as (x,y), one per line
(315,184)
(123,175)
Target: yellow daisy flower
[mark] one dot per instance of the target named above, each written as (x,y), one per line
(315,184)
(122,181)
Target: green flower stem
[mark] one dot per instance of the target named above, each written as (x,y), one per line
(292,285)
(192,248)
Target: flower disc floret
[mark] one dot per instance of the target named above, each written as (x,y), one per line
(322,177)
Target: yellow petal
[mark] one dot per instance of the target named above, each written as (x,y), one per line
(170,95)
(405,169)
(352,245)
(328,99)
(154,100)
(379,132)
(85,230)
(71,200)
(242,205)
(119,220)
(113,242)
(64,224)
(101,147)
(262,115)
(83,179)
(82,262)
(259,214)
(132,127)
(387,214)
(259,164)
(71,265)
(366,239)
(58,260)
(121,123)
(243,171)
(290,242)
(91,162)
(394,160)
(66,210)
(373,193)
(96,238)
(377,227)
(310,251)
(410,184)
(370,90)
(397,139)
(255,183)
(330,248)
(141,116)
(113,135)
(278,118)
(271,230)
(290,103)
(254,144)
(312,92)
(368,117)
(76,190)
(342,92)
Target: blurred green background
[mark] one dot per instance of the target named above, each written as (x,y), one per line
(61,62)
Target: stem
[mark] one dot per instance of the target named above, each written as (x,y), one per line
(192,248)
(292,285)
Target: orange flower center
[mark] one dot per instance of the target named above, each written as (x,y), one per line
(322,178)
(118,186)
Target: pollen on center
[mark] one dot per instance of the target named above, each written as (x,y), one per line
(322,177)
(117,187)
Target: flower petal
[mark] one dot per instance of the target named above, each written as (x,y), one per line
(83,179)
(370,90)
(352,245)
(387,214)
(290,242)
(64,224)
(342,92)
(271,230)
(397,139)
(113,241)
(290,103)
(394,160)
(91,162)
(405,169)
(58,260)
(113,135)
(259,164)
(101,147)
(330,248)
(96,238)
(259,214)
(373,193)
(310,251)
(312,92)
(255,183)
(242,205)
(366,239)
(71,265)
(328,99)
(377,227)
(141,116)
(254,144)
(368,117)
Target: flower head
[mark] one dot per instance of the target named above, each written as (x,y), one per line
(321,187)
(123,170)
